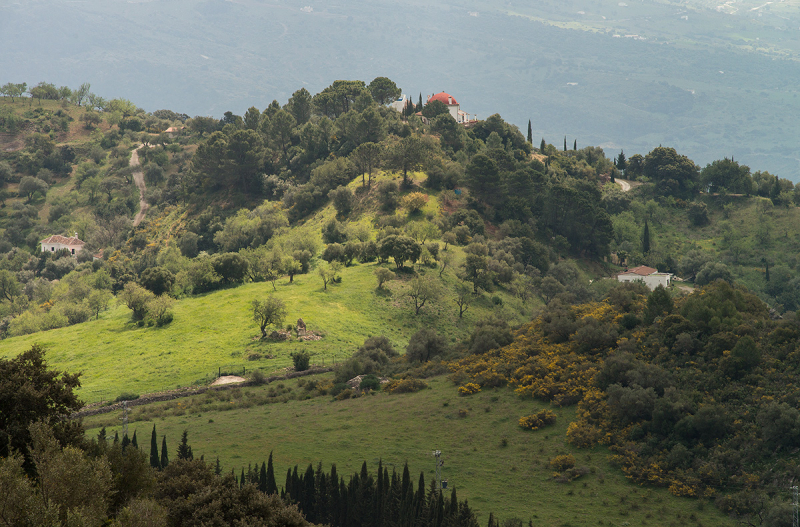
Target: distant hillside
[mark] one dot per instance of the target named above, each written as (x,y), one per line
(712,79)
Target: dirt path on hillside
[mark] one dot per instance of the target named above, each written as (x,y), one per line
(138,178)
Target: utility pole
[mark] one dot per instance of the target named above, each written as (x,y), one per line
(124,418)
(440,483)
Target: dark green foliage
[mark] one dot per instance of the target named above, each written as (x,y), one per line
(158,280)
(184,450)
(646,238)
(30,392)
(154,459)
(489,333)
(712,271)
(333,232)
(424,345)
(698,213)
(301,360)
(659,304)
(231,267)
(401,249)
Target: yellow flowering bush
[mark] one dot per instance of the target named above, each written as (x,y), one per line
(537,420)
(469,389)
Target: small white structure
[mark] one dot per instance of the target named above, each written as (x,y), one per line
(56,243)
(400,103)
(649,276)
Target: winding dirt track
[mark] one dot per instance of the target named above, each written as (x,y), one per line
(138,178)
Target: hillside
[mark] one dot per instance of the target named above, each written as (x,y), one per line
(411,248)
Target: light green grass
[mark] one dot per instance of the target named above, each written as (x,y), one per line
(215,331)
(512,480)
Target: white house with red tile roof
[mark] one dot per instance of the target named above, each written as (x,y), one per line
(649,276)
(453,107)
(56,243)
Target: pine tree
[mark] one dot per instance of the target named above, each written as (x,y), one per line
(621,162)
(164,455)
(116,437)
(101,435)
(154,449)
(542,146)
(272,487)
(125,441)
(217,468)
(241,479)
(530,132)
(184,450)
(134,442)
(646,238)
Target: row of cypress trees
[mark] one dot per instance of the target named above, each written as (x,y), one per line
(362,501)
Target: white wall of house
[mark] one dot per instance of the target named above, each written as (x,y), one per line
(651,281)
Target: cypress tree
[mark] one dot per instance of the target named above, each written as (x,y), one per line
(334,498)
(241,479)
(575,145)
(542,146)
(309,492)
(262,478)
(646,238)
(288,485)
(491,520)
(101,435)
(452,508)
(154,449)
(272,487)
(565,143)
(297,487)
(134,442)
(116,437)
(217,468)
(164,455)
(419,104)
(530,132)
(125,441)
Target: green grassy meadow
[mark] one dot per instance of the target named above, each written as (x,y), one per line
(491,461)
(215,330)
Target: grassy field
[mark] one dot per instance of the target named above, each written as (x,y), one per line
(491,461)
(216,330)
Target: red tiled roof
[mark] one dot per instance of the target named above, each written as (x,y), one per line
(443,97)
(62,240)
(642,270)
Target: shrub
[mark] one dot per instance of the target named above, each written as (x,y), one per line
(257,377)
(344,394)
(537,420)
(301,360)
(469,389)
(414,201)
(126,397)
(562,462)
(369,382)
(404,386)
(424,345)
(583,435)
